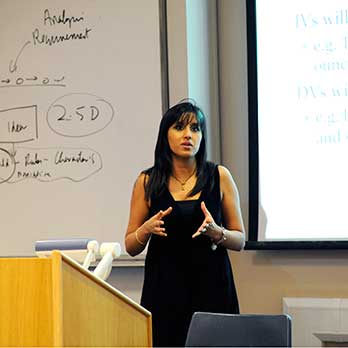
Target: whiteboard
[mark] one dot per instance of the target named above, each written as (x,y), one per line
(80,105)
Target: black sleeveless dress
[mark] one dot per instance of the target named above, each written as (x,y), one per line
(184,275)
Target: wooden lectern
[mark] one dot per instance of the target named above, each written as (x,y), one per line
(54,302)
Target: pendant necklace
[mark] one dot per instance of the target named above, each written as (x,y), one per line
(183,183)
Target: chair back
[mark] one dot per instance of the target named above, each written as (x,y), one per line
(239,330)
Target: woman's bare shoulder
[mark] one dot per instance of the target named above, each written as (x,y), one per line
(224,172)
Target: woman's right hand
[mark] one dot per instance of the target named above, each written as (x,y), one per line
(155,223)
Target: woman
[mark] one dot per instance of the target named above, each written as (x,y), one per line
(187,210)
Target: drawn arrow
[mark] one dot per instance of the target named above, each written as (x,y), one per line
(31,78)
(59,80)
(13,151)
(13,65)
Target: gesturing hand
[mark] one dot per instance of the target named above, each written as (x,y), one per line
(208,222)
(154,224)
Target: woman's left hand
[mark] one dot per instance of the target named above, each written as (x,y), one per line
(208,222)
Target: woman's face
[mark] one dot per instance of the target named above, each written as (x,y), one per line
(184,136)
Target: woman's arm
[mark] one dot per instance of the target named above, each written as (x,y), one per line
(136,237)
(140,227)
(233,230)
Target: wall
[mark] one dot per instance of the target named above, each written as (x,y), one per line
(263,278)
(177,50)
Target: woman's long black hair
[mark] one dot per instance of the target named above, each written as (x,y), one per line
(158,175)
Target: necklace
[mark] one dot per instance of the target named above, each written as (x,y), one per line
(183,183)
